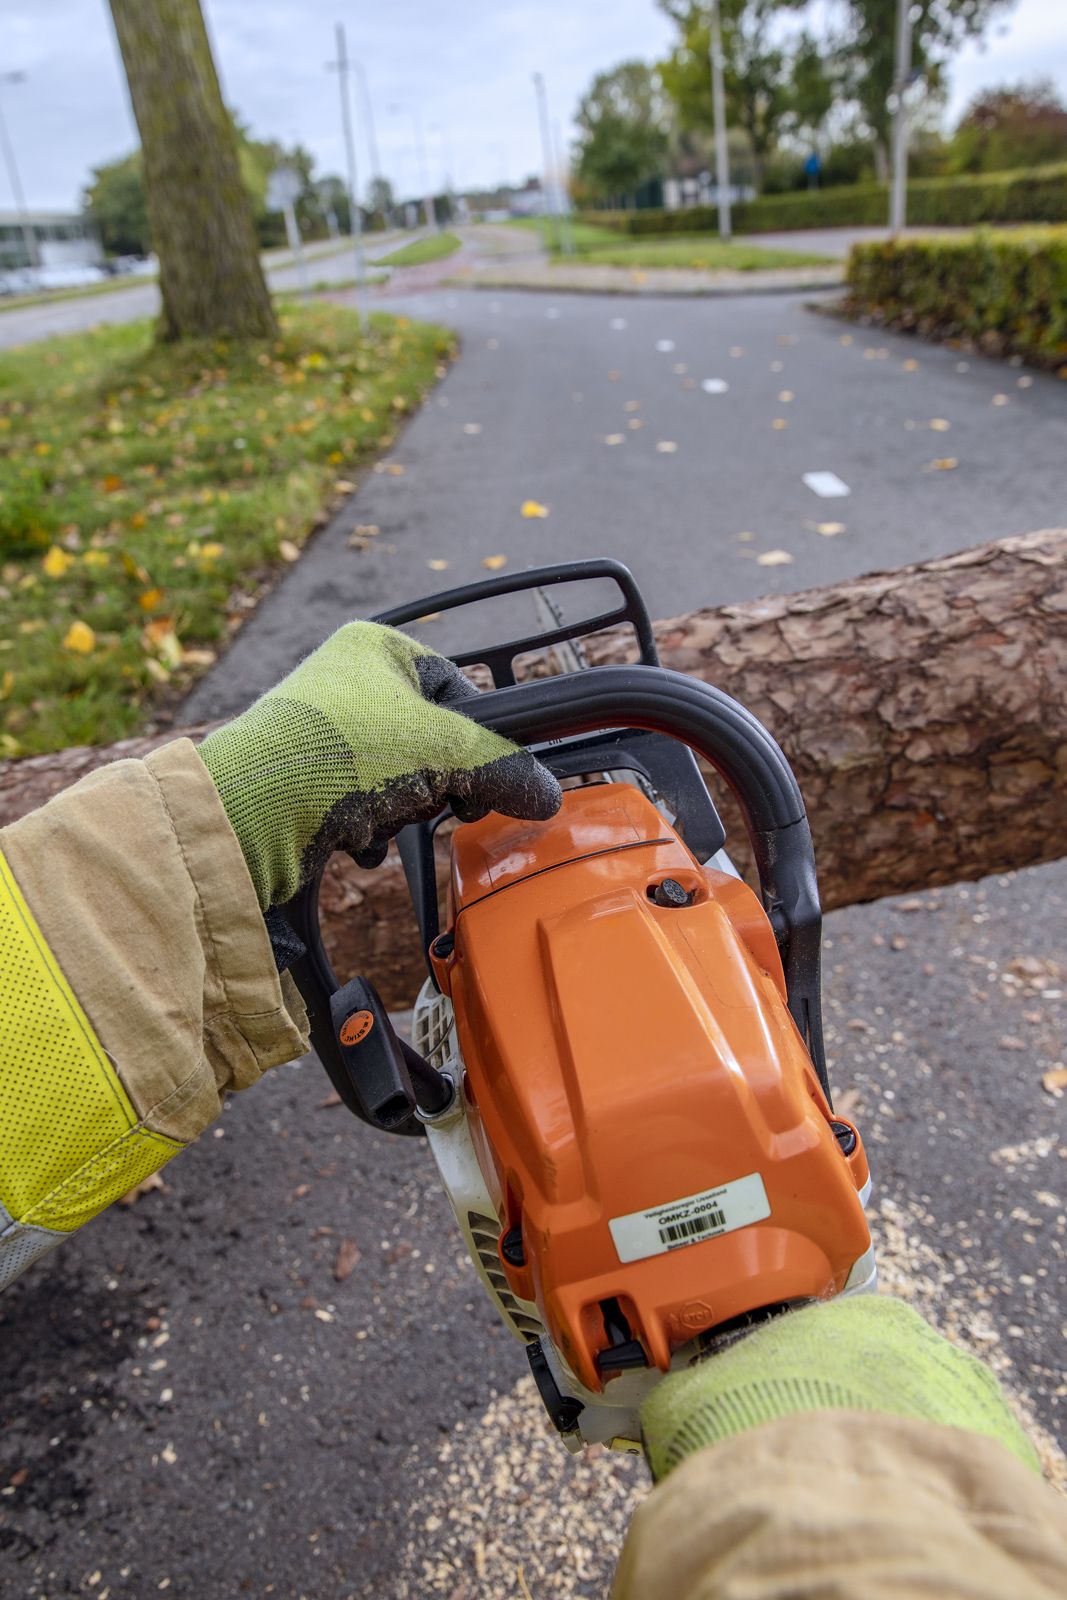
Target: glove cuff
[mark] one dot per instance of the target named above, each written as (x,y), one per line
(867,1353)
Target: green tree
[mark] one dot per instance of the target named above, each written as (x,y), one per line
(115,200)
(811,88)
(380,198)
(756,69)
(1021,125)
(622,139)
(210,276)
(866,50)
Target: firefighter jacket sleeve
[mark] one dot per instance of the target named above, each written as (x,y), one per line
(845,1449)
(139,987)
(848,1505)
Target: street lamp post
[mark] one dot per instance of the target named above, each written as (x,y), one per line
(355,220)
(13,176)
(548,182)
(901,78)
(429,205)
(718,103)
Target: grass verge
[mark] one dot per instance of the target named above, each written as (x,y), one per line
(435,247)
(603,247)
(146,492)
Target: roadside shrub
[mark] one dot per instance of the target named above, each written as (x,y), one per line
(1031,196)
(1005,292)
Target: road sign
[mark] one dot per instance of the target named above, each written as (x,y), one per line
(284,188)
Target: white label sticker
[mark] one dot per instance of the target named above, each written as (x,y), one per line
(692,1220)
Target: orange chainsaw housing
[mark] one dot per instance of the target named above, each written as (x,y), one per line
(622,1056)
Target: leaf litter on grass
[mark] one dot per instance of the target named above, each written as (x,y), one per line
(168,481)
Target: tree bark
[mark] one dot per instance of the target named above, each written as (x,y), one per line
(210,275)
(923,711)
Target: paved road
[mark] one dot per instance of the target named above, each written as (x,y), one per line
(32,323)
(190,1402)
(837,241)
(546,381)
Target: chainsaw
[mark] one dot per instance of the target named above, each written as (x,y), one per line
(617,1056)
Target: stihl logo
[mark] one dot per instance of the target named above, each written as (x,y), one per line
(356,1027)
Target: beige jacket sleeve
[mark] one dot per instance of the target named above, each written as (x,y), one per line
(143,988)
(848,1505)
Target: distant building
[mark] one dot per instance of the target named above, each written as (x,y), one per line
(61,238)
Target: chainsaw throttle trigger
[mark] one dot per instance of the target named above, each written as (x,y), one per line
(389,1078)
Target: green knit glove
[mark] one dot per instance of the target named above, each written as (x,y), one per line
(351,746)
(862,1353)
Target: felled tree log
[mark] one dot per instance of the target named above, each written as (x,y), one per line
(924,711)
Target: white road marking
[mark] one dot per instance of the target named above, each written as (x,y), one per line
(826,484)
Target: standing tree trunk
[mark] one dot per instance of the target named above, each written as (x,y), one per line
(209,269)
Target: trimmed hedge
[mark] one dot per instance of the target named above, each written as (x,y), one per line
(1038,196)
(1005,292)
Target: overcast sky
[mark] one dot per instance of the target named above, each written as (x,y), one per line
(465,63)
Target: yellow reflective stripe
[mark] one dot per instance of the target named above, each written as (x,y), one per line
(70,1141)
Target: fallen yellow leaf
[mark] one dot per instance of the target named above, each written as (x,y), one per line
(846,338)
(134,569)
(944,464)
(150,599)
(288,550)
(210,551)
(56,562)
(666,447)
(779,423)
(80,638)
(111,483)
(1054,1081)
(437,565)
(1001,400)
(335,458)
(829,528)
(493,562)
(534,508)
(785,395)
(940,424)
(911,365)
(774,558)
(395,470)
(7,683)
(95,558)
(160,638)
(614,438)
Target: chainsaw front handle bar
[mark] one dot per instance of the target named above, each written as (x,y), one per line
(744,754)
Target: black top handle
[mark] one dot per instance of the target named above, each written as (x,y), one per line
(744,754)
